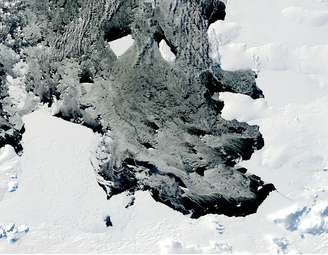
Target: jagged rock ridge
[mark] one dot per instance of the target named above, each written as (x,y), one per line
(166,132)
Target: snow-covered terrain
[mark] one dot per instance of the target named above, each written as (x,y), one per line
(57,206)
(286,43)
(121,45)
(62,208)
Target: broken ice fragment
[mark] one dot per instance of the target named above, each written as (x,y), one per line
(12,185)
(2,233)
(220,228)
(23,229)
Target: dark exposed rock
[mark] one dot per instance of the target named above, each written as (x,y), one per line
(9,134)
(108,221)
(214,10)
(168,136)
(131,201)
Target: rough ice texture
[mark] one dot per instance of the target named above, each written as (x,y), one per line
(10,124)
(9,134)
(167,133)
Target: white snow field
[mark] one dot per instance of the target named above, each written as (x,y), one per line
(58,206)
(166,52)
(121,45)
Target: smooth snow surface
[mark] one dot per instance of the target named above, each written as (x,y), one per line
(121,45)
(58,206)
(166,52)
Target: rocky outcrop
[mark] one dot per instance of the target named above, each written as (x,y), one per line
(166,132)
